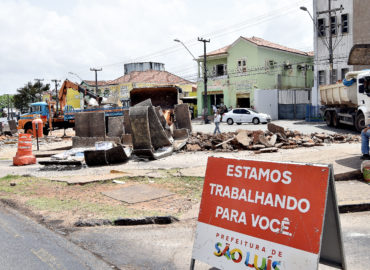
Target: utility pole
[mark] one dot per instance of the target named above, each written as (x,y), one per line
(39,81)
(96,77)
(330,43)
(56,92)
(8,106)
(330,46)
(205,79)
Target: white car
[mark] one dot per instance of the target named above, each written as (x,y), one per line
(244,115)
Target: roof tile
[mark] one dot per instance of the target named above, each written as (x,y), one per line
(151,76)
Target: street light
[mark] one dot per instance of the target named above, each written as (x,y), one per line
(74,74)
(177,40)
(305,9)
(205,77)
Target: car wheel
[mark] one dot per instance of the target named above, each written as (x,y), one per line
(360,122)
(335,120)
(238,123)
(328,119)
(255,121)
(230,121)
(28,128)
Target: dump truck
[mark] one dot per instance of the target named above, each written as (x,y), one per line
(348,102)
(59,115)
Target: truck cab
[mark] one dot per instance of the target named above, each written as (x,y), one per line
(36,110)
(363,92)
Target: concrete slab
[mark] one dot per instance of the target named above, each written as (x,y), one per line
(182,117)
(115,126)
(352,192)
(137,193)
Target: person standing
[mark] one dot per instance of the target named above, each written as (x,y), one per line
(365,134)
(217,120)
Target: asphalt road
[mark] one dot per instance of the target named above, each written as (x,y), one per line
(28,245)
(169,247)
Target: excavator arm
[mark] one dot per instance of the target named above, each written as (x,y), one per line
(62,96)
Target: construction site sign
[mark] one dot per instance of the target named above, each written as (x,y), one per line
(268,215)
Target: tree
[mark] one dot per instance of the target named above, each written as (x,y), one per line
(5,101)
(28,94)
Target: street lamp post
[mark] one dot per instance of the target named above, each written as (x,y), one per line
(177,40)
(205,76)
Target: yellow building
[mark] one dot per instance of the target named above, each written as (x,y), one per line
(120,88)
(73,97)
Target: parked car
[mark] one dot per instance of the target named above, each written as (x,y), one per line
(245,115)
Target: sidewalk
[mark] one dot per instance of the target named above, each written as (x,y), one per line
(344,157)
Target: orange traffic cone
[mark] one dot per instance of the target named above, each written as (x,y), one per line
(24,153)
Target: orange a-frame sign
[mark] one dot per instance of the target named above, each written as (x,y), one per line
(267,215)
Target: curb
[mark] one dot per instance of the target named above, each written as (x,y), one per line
(145,221)
(354,208)
(161,220)
(352,175)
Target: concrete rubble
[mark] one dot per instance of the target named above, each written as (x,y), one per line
(142,131)
(262,141)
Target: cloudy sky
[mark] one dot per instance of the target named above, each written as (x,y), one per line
(48,39)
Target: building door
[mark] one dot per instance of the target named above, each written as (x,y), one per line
(243,102)
(216,99)
(292,103)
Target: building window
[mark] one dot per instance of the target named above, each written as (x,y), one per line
(333,23)
(242,65)
(344,72)
(220,70)
(334,76)
(344,23)
(321,77)
(106,92)
(321,27)
(269,64)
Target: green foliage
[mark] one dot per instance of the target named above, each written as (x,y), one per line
(28,94)
(4,101)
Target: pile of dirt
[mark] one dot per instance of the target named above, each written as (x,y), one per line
(263,141)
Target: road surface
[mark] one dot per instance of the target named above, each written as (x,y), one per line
(28,245)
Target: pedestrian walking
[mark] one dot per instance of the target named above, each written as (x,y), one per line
(214,109)
(217,120)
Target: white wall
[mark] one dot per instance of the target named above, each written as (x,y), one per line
(342,43)
(266,101)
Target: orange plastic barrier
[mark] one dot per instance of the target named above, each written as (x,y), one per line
(24,153)
(37,122)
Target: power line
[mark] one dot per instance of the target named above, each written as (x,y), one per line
(216,34)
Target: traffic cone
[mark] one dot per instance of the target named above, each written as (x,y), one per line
(24,154)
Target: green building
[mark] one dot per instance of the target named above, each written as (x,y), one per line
(236,71)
